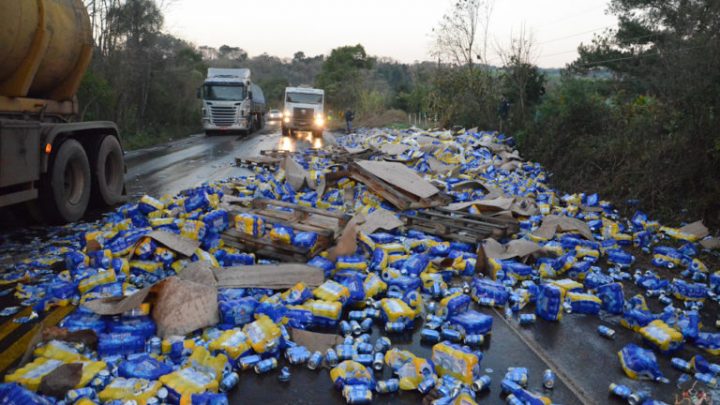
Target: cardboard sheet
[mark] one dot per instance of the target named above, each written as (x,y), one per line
(314,341)
(273,276)
(556,223)
(184,306)
(394,148)
(295,174)
(61,380)
(116,306)
(495,204)
(380,219)
(400,176)
(200,272)
(440,167)
(515,248)
(347,242)
(710,243)
(175,242)
(696,228)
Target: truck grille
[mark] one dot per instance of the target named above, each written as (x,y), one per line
(303,115)
(223,116)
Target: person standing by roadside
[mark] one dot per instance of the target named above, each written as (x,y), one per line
(349,117)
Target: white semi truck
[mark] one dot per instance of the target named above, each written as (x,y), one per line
(304,111)
(231,102)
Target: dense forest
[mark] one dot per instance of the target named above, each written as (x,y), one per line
(634,117)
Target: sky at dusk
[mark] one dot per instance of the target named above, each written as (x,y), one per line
(400,29)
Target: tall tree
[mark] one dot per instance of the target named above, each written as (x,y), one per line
(457,36)
(523,83)
(342,74)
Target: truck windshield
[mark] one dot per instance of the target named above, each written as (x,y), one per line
(219,92)
(305,98)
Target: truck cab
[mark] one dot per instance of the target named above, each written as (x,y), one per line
(231,102)
(304,111)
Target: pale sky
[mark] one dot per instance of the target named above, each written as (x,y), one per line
(400,29)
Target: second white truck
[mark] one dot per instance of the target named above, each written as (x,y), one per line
(304,111)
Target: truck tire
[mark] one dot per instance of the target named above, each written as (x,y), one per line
(65,190)
(285,131)
(109,171)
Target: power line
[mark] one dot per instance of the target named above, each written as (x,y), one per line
(574,35)
(567,17)
(599,62)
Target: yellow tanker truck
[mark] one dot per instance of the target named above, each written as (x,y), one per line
(47,158)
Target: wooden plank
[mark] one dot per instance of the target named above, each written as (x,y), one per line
(262,203)
(401,176)
(387,193)
(280,276)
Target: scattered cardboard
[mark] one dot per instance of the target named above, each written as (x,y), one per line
(696,228)
(295,174)
(314,341)
(515,248)
(200,272)
(347,242)
(380,219)
(525,207)
(556,223)
(355,150)
(172,241)
(401,176)
(88,337)
(495,204)
(184,306)
(61,380)
(273,276)
(394,148)
(440,167)
(115,305)
(710,243)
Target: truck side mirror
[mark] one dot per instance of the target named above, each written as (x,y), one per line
(250,95)
(199,92)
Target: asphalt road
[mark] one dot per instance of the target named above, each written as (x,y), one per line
(585,362)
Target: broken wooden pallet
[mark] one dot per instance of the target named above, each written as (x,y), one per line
(335,155)
(327,225)
(413,195)
(459,226)
(257,161)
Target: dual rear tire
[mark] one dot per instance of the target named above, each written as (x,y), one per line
(74,179)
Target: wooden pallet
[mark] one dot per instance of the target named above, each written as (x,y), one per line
(327,224)
(257,161)
(337,156)
(394,195)
(459,226)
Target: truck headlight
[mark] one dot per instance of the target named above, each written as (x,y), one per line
(319,120)
(286,119)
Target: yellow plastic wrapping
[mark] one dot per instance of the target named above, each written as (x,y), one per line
(138,389)
(331,291)
(101,278)
(263,333)
(452,361)
(234,342)
(396,309)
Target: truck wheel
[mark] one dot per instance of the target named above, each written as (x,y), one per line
(66,189)
(285,131)
(109,171)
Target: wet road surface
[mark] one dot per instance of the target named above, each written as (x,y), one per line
(586,363)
